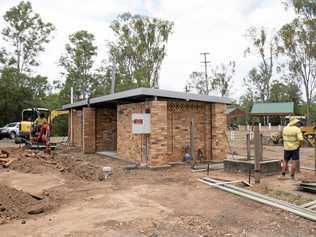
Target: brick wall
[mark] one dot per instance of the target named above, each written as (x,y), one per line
(159,133)
(180,115)
(170,125)
(219,139)
(106,136)
(88,144)
(170,131)
(129,146)
(77,127)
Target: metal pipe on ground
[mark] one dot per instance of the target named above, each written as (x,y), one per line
(309,204)
(312,207)
(303,212)
(255,194)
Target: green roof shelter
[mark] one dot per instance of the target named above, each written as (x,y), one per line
(267,110)
(280,108)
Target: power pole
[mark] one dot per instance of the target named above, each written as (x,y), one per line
(205,62)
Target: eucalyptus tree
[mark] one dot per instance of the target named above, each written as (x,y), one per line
(77,62)
(265,47)
(138,49)
(298,44)
(26,35)
(222,77)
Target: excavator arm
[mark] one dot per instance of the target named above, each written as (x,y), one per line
(55,113)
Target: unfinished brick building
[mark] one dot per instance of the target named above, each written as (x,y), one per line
(105,124)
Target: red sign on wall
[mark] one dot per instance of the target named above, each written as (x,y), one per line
(138,121)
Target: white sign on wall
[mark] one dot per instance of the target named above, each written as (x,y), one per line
(140,123)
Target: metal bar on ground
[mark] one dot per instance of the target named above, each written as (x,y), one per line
(309,204)
(258,195)
(228,182)
(312,207)
(303,212)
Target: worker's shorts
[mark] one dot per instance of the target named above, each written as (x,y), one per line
(292,155)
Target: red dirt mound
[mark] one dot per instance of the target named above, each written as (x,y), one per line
(15,204)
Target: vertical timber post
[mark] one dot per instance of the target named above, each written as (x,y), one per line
(71,115)
(71,136)
(257,153)
(248,146)
(261,146)
(315,156)
(192,145)
(315,151)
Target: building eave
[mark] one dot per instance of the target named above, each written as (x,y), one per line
(148,93)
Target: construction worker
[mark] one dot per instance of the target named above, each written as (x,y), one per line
(41,131)
(38,123)
(40,120)
(292,140)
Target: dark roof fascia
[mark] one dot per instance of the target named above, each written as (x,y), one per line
(149,92)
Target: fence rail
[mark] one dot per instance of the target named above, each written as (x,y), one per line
(241,133)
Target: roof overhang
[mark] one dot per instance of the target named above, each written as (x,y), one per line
(141,94)
(39,109)
(267,114)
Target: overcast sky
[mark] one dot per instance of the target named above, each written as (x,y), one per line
(215,26)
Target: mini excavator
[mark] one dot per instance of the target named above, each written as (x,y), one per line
(37,136)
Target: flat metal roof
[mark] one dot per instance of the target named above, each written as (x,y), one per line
(275,108)
(144,93)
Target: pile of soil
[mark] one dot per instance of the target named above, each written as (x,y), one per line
(82,169)
(27,161)
(28,165)
(15,204)
(36,162)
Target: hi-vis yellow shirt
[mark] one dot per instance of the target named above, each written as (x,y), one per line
(40,121)
(292,136)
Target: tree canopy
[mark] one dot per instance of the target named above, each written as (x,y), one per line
(77,63)
(286,61)
(26,34)
(138,49)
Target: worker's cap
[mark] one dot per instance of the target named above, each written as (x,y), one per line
(293,120)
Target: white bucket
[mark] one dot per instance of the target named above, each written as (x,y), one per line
(107,171)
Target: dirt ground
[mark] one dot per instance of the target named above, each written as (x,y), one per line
(307,159)
(66,194)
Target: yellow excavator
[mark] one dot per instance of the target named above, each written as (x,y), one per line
(34,140)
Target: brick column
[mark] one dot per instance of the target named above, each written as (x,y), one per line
(219,139)
(208,132)
(88,130)
(158,136)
